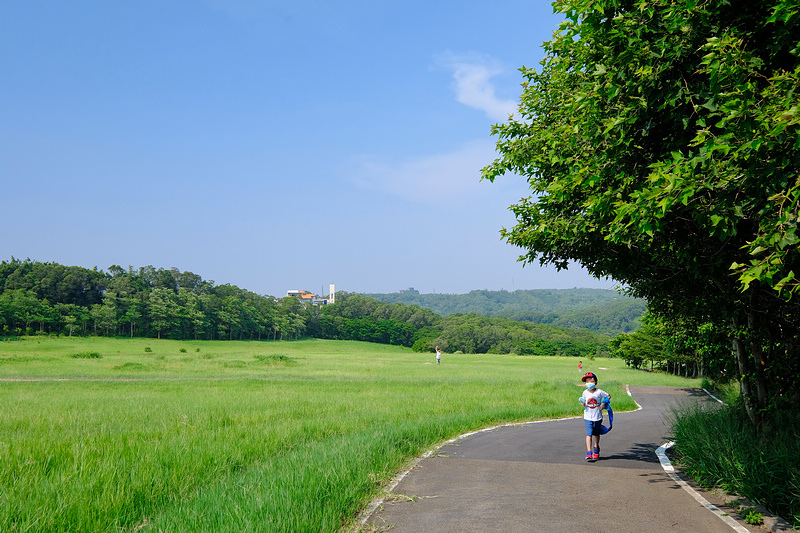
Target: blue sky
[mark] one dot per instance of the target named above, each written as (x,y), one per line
(269,145)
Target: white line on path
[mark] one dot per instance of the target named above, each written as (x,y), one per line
(670,470)
(718,400)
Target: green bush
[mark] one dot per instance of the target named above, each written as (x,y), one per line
(87,355)
(275,359)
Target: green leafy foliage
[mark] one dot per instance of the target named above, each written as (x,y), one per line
(643,345)
(660,142)
(681,347)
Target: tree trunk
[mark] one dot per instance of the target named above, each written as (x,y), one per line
(743,361)
(758,362)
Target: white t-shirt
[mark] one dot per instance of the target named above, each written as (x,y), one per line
(593,405)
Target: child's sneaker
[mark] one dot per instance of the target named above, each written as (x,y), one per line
(595,454)
(589,456)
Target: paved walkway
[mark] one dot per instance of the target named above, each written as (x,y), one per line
(534,478)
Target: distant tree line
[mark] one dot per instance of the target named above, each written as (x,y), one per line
(49,298)
(146,302)
(466,333)
(600,310)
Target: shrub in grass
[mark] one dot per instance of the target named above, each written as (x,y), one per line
(148,349)
(131,366)
(182,350)
(275,359)
(719,448)
(87,355)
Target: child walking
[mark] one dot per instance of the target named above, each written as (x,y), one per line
(592,400)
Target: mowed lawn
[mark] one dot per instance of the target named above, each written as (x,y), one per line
(158,435)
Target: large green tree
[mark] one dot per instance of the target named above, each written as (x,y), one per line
(660,141)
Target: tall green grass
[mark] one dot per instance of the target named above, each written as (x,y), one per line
(246,436)
(719,448)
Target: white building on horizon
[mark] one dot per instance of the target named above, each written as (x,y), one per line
(308,296)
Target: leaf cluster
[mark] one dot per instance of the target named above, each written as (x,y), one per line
(660,140)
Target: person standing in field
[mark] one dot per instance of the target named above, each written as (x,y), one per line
(438,355)
(580,366)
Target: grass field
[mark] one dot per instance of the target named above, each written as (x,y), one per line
(158,435)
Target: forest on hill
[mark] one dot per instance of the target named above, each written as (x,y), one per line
(48,298)
(599,310)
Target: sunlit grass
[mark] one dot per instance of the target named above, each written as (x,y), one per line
(259,436)
(719,448)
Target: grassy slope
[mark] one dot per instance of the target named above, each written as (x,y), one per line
(275,436)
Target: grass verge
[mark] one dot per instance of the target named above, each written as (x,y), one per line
(719,449)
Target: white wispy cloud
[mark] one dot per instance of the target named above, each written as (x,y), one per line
(451,176)
(454,175)
(472,75)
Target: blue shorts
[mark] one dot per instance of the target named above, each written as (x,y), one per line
(593,427)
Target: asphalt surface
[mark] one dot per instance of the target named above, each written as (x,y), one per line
(534,478)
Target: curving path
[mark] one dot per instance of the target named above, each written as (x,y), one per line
(534,478)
